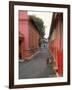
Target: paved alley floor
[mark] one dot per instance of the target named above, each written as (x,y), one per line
(37,67)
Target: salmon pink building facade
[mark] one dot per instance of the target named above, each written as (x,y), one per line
(56,41)
(28,36)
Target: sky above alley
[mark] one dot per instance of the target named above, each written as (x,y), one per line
(46,17)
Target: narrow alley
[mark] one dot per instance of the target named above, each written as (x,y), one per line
(37,67)
(37,32)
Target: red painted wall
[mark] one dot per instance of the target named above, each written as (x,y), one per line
(56,46)
(24,27)
(34,37)
(30,43)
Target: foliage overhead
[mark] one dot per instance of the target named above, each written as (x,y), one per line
(40,25)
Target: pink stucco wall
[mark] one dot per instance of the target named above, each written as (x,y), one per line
(57,41)
(23,27)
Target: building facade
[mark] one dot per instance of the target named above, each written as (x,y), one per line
(55,43)
(28,36)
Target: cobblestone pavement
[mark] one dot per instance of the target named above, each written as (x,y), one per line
(37,67)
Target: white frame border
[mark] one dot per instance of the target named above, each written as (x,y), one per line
(16,61)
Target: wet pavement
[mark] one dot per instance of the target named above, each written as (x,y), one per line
(37,67)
